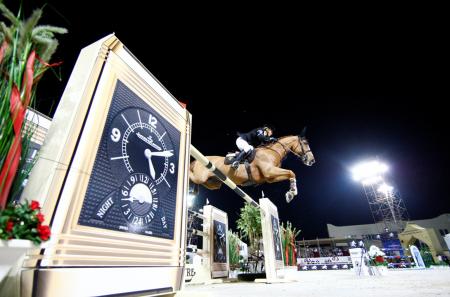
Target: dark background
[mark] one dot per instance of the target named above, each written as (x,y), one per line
(366,86)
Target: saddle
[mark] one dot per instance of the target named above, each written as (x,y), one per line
(231,157)
(246,160)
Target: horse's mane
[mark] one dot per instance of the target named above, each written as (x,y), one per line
(269,145)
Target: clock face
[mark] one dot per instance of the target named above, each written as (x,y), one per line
(133,184)
(276,239)
(220,242)
(139,143)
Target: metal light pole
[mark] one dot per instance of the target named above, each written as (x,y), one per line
(385,203)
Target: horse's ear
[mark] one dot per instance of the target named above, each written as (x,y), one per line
(303,133)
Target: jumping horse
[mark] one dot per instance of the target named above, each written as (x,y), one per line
(265,168)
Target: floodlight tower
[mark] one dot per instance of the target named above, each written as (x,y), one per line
(384,201)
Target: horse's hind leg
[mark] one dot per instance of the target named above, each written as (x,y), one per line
(213,183)
(197,173)
(202,176)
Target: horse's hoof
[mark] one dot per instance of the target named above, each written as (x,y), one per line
(289,196)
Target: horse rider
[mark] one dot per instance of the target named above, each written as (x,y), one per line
(247,141)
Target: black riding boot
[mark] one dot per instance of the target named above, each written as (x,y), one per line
(237,160)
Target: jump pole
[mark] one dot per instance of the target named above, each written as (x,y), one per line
(210,166)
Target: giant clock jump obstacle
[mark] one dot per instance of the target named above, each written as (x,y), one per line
(112,177)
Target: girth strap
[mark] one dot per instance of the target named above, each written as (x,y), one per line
(249,172)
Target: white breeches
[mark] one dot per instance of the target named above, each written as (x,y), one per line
(243,145)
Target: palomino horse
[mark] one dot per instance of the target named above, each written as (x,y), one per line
(266,167)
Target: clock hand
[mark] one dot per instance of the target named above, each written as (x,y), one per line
(163,153)
(148,155)
(131,199)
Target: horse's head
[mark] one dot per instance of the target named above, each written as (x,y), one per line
(303,150)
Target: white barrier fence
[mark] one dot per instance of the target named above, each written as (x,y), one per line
(214,254)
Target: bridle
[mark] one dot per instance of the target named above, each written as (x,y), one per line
(302,156)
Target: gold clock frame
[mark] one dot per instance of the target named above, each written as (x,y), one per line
(81,260)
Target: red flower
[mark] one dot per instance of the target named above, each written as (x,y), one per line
(34,205)
(9,226)
(44,232)
(40,217)
(379,259)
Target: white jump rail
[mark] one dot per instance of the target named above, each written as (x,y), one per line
(210,166)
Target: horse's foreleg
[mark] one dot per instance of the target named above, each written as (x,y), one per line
(277,174)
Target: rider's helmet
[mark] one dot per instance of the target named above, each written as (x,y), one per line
(268,128)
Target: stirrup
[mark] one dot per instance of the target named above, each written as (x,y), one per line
(235,165)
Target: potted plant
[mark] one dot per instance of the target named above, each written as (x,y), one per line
(25,52)
(288,235)
(376,257)
(249,224)
(233,248)
(21,227)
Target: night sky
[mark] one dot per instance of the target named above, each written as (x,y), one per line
(362,90)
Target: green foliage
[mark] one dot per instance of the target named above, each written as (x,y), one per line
(23,221)
(18,41)
(233,249)
(25,166)
(288,235)
(249,223)
(427,257)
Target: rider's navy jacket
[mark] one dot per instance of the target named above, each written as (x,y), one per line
(255,137)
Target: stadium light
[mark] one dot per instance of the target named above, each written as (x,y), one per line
(371,180)
(369,172)
(385,189)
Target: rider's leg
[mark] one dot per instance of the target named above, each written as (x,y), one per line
(240,155)
(244,148)
(243,145)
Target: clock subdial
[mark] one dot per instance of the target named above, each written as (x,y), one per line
(138,199)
